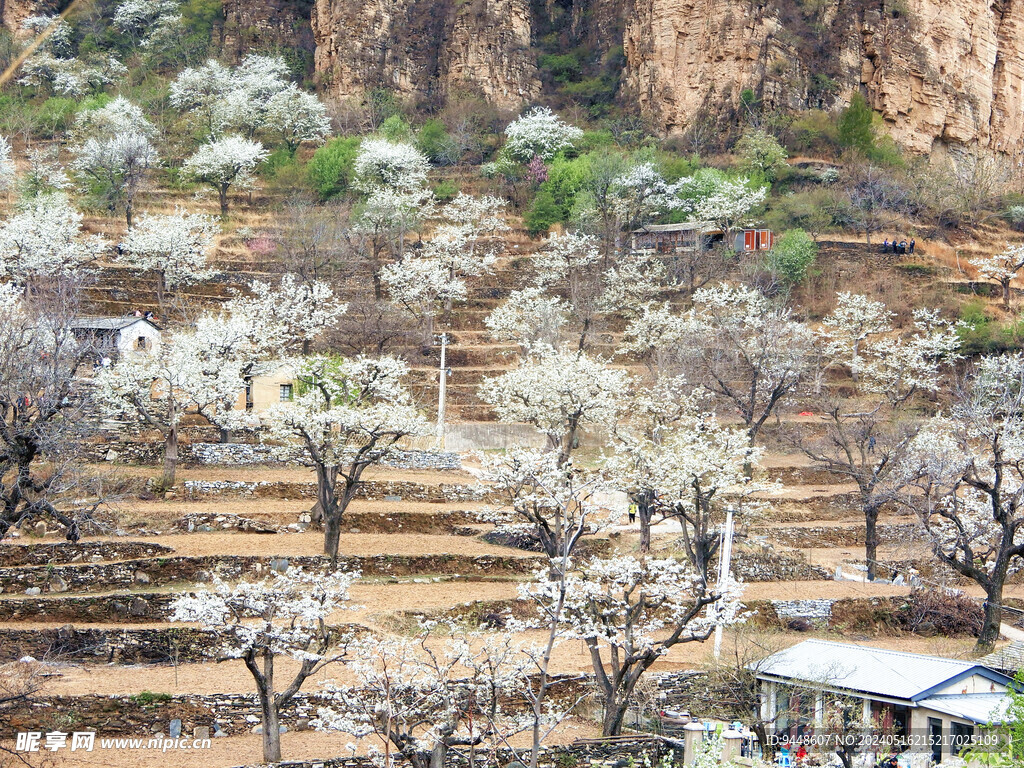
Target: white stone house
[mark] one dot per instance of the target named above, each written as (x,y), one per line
(114,336)
(937,705)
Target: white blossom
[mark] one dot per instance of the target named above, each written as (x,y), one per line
(296,116)
(389,165)
(728,204)
(539,132)
(528,318)
(7,169)
(559,392)
(176,246)
(45,239)
(225,163)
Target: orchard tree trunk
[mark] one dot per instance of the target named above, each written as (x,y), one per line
(993,616)
(871,541)
(1006,294)
(170,458)
(222,193)
(269,718)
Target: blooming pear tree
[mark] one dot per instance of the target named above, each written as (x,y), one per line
(348,415)
(45,415)
(969,469)
(114,151)
(742,348)
(260,622)
(728,204)
(187,372)
(253,98)
(381,223)
(676,460)
(529,318)
(44,175)
(539,133)
(630,612)
(296,116)
(424,702)
(867,437)
(225,163)
(383,164)
(464,245)
(44,241)
(148,20)
(570,263)
(559,392)
(641,194)
(1001,268)
(175,247)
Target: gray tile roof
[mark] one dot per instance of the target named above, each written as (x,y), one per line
(1007,659)
(108,323)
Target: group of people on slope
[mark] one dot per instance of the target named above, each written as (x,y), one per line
(898,247)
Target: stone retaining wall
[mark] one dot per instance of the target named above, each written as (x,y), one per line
(250,454)
(372,490)
(801,537)
(772,566)
(53,553)
(227,713)
(133,573)
(104,646)
(108,609)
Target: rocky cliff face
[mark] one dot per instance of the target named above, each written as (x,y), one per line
(13,12)
(250,24)
(424,48)
(942,73)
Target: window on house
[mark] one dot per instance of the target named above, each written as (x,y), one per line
(140,343)
(960,737)
(286,393)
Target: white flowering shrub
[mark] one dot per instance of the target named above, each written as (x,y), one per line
(541,133)
(225,163)
(174,246)
(383,164)
(1001,268)
(45,239)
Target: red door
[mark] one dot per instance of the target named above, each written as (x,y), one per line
(748,240)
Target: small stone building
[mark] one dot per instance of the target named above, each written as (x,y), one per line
(114,336)
(667,238)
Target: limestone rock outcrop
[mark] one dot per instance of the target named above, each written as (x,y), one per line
(13,12)
(942,73)
(424,48)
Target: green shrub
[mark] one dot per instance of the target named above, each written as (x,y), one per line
(54,117)
(330,168)
(543,213)
(395,129)
(146,698)
(792,256)
(563,67)
(815,132)
(981,335)
(445,190)
(856,125)
(437,144)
